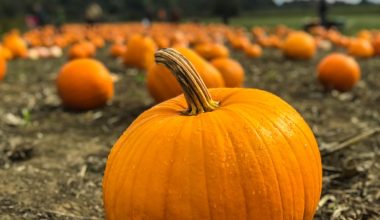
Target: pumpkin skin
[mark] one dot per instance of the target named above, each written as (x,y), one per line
(82,50)
(211,51)
(97,42)
(360,48)
(16,45)
(140,53)
(231,70)
(253,51)
(3,68)
(84,84)
(299,45)
(162,85)
(253,157)
(118,50)
(338,71)
(376,45)
(161,41)
(5,53)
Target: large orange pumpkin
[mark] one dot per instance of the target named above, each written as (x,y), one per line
(140,53)
(231,70)
(84,84)
(246,155)
(299,45)
(162,85)
(360,48)
(338,71)
(3,68)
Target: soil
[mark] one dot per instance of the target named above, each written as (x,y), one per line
(52,159)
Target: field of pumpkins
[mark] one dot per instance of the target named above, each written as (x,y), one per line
(189,121)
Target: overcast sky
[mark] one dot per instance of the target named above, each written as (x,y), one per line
(280,2)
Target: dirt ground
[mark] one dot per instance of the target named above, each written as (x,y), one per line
(52,160)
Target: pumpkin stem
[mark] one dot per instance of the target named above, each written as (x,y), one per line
(197,96)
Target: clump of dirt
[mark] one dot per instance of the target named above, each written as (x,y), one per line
(52,160)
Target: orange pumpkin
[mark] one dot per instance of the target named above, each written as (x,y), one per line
(77,51)
(246,155)
(82,50)
(5,53)
(299,45)
(84,84)
(118,50)
(231,70)
(140,53)
(253,51)
(161,41)
(162,85)
(239,42)
(211,51)
(3,68)
(364,34)
(338,71)
(89,47)
(14,42)
(376,45)
(360,48)
(98,42)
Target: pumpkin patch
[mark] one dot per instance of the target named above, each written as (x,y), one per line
(189,110)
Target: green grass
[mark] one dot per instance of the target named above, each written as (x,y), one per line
(354,17)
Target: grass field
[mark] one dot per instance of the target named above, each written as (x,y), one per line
(354,17)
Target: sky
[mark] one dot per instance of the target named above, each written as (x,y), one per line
(281,2)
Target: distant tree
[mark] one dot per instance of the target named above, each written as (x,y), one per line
(227,9)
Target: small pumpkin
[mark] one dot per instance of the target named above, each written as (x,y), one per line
(162,85)
(89,47)
(253,51)
(231,70)
(14,42)
(98,42)
(338,71)
(246,155)
(118,50)
(364,34)
(360,48)
(239,42)
(84,84)
(299,45)
(211,51)
(3,68)
(77,51)
(161,41)
(140,53)
(82,50)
